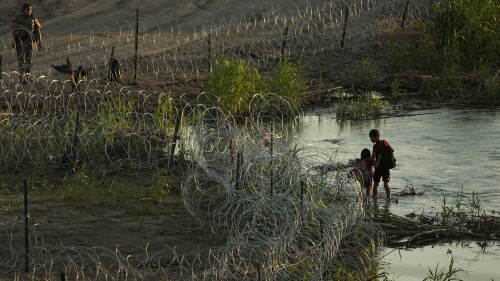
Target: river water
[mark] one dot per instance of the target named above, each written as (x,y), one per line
(439,152)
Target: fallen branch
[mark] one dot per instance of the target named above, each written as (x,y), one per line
(426,233)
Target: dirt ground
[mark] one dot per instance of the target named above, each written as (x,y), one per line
(131,224)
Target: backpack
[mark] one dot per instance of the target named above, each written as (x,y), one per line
(387,159)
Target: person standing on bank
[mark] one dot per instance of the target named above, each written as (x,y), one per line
(26,32)
(380,170)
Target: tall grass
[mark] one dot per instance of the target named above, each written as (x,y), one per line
(233,85)
(459,44)
(446,274)
(365,74)
(464,215)
(367,106)
(467,31)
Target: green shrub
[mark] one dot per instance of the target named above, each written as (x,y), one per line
(367,106)
(467,32)
(365,74)
(231,84)
(287,83)
(420,56)
(459,44)
(237,88)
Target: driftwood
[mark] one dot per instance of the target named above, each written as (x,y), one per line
(434,232)
(419,230)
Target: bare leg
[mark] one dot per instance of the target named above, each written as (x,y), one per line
(375,186)
(387,189)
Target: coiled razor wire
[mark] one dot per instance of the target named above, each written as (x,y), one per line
(172,51)
(283,217)
(48,258)
(124,128)
(285,214)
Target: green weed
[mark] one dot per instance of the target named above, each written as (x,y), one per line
(161,188)
(367,106)
(233,85)
(463,215)
(448,274)
(468,31)
(364,75)
(146,209)
(82,187)
(459,44)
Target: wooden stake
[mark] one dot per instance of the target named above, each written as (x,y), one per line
(75,139)
(175,138)
(283,43)
(136,44)
(404,15)
(26,228)
(209,53)
(345,26)
(271,152)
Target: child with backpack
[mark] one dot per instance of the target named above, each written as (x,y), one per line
(384,160)
(363,170)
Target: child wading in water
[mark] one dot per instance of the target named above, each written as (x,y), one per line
(363,170)
(381,172)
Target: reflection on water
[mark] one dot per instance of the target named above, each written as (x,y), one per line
(479,260)
(438,152)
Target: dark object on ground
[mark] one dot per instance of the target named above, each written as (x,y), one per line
(114,71)
(76,75)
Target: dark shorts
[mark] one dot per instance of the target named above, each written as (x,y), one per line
(368,183)
(385,174)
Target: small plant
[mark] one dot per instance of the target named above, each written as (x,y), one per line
(146,209)
(367,106)
(365,74)
(165,114)
(448,274)
(160,189)
(492,88)
(83,187)
(233,85)
(463,215)
(287,83)
(396,91)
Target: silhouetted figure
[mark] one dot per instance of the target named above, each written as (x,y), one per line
(114,71)
(26,32)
